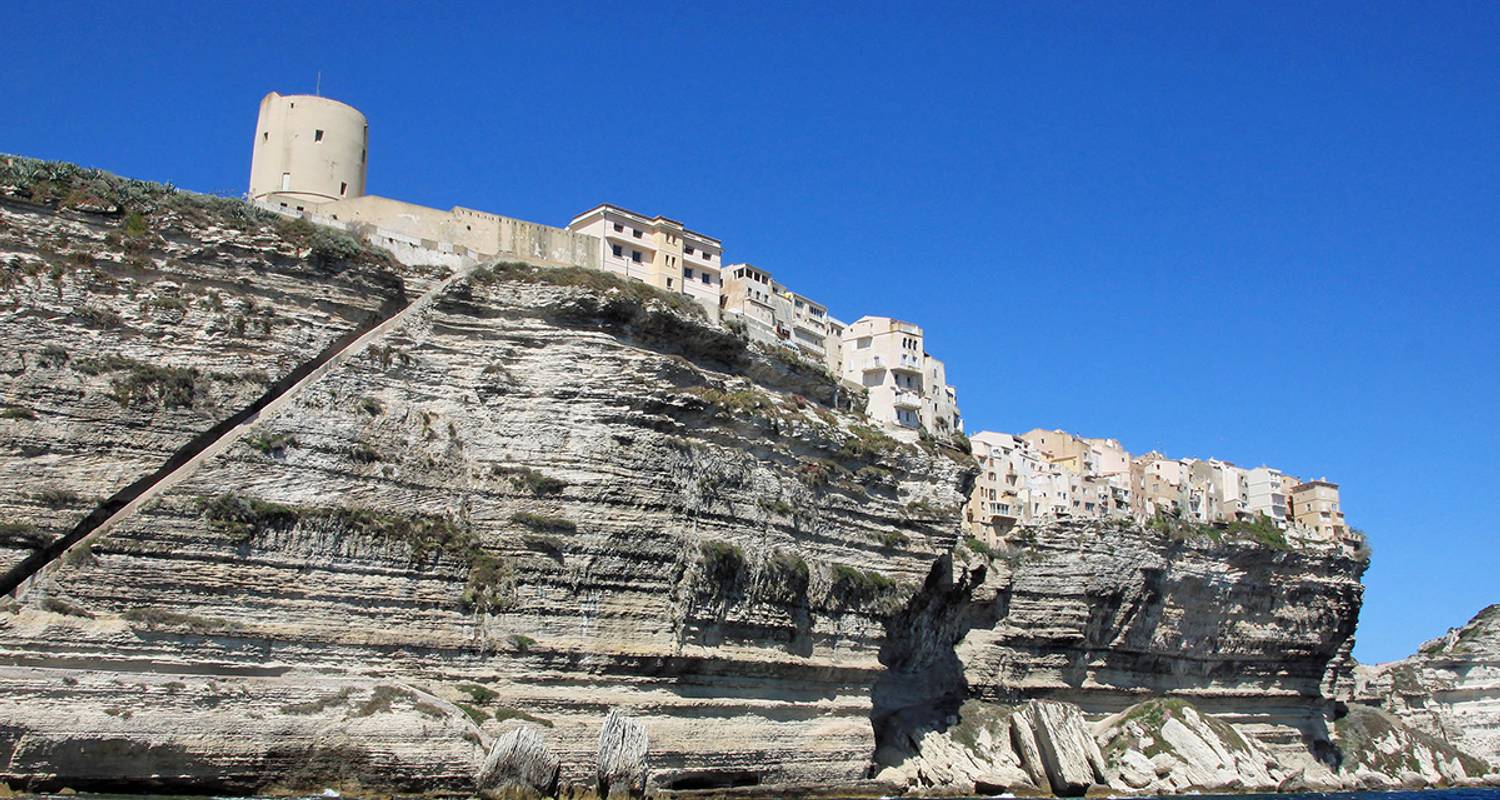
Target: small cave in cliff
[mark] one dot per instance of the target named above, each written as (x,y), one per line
(713,780)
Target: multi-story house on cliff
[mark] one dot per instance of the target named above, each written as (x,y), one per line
(908,389)
(656,250)
(1315,505)
(772,314)
(1265,493)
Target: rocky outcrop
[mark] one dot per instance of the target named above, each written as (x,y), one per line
(1038,745)
(1378,751)
(1449,689)
(623,747)
(519,767)
(1167,746)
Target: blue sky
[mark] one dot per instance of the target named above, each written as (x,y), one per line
(1267,232)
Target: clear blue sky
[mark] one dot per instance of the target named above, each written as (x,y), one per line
(1264,232)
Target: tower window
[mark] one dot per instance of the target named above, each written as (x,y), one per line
(343,189)
(317,136)
(265,136)
(286,181)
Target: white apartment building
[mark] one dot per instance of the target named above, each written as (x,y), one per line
(1265,494)
(886,356)
(656,250)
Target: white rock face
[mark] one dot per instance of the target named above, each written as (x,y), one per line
(1169,746)
(1449,689)
(519,766)
(1379,751)
(623,750)
(542,497)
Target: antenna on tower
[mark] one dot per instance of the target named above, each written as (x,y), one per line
(318,88)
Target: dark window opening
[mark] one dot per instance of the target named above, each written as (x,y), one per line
(635,255)
(343,189)
(317,135)
(616,249)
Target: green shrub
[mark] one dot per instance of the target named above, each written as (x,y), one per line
(56,498)
(503,713)
(271,444)
(543,522)
(491,587)
(480,694)
(520,643)
(531,480)
(858,588)
(723,562)
(21,534)
(980,546)
(99,317)
(371,406)
(478,715)
(17,412)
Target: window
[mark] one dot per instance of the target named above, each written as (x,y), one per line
(619,227)
(343,189)
(706,277)
(266,136)
(688,249)
(616,249)
(635,255)
(317,136)
(286,181)
(669,283)
(361,156)
(635,233)
(687,274)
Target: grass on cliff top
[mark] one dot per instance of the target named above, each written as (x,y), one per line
(1260,530)
(597,280)
(141,206)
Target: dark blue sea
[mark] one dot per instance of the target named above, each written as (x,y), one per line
(1492,793)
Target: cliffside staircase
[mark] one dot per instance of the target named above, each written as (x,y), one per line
(187,459)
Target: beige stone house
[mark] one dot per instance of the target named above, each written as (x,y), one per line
(656,250)
(1315,506)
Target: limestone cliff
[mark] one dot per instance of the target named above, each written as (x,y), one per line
(544,495)
(1449,689)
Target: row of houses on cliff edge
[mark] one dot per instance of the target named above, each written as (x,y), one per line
(1045,475)
(310,159)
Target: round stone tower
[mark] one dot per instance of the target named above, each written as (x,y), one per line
(308,150)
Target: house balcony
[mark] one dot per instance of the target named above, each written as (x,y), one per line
(874,363)
(908,363)
(907,399)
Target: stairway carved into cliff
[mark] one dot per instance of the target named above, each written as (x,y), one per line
(189,457)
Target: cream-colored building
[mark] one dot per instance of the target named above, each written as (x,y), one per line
(774,315)
(656,250)
(308,150)
(1159,486)
(1315,506)
(1222,485)
(887,358)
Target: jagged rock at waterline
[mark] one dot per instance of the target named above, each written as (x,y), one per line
(519,767)
(623,746)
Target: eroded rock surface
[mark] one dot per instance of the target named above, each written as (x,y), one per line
(1449,689)
(547,495)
